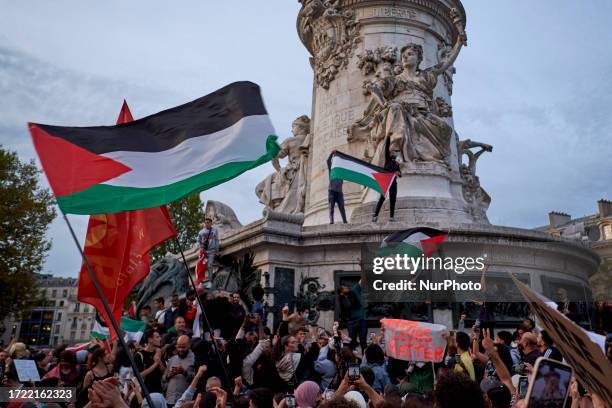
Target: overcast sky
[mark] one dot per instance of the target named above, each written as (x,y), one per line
(535,82)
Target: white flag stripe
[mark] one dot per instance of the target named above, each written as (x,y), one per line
(244,141)
(338,161)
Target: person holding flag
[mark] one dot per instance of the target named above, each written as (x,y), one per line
(391,165)
(380,179)
(336,196)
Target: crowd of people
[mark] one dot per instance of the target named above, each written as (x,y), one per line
(236,360)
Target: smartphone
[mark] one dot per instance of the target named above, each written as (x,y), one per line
(549,386)
(354,372)
(523,384)
(290,401)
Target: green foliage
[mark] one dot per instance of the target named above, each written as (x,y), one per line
(26,210)
(187,216)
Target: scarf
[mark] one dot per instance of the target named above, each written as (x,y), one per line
(287,365)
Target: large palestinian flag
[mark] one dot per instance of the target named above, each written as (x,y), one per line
(349,168)
(160,158)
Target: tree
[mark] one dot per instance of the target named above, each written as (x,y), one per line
(187,216)
(26,210)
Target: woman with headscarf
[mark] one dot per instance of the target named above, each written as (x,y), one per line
(307,395)
(287,360)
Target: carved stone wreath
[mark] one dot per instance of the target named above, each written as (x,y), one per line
(330,34)
(369,60)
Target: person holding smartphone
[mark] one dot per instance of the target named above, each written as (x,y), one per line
(179,370)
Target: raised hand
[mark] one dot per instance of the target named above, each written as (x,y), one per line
(487,342)
(201,370)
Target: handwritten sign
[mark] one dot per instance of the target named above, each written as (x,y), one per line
(26,370)
(414,341)
(591,366)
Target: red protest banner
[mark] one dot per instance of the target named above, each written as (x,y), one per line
(414,341)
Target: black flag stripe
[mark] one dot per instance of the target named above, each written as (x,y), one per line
(164,130)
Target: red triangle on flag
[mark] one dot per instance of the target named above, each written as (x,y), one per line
(384,180)
(125,115)
(432,244)
(54,152)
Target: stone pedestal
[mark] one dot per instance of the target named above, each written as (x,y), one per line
(291,253)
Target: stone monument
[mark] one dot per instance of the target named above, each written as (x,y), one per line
(383,73)
(384,70)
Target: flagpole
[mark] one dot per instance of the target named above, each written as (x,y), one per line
(109,312)
(214,344)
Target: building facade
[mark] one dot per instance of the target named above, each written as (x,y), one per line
(59,319)
(595,230)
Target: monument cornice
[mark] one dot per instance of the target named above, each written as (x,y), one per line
(436,7)
(260,233)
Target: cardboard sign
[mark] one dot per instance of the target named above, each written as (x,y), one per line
(414,341)
(590,365)
(26,370)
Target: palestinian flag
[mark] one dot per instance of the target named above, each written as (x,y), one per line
(133,329)
(160,158)
(413,242)
(349,168)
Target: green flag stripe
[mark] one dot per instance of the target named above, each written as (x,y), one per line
(103,198)
(130,325)
(359,178)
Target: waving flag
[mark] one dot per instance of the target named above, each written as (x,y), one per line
(117,247)
(160,158)
(133,329)
(415,241)
(349,168)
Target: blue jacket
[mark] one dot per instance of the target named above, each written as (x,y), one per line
(381,378)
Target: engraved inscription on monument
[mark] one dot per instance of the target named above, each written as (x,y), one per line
(397,12)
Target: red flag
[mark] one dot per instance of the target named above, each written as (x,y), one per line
(201,267)
(117,247)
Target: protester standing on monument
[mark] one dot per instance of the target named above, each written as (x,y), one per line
(335,194)
(391,164)
(208,240)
